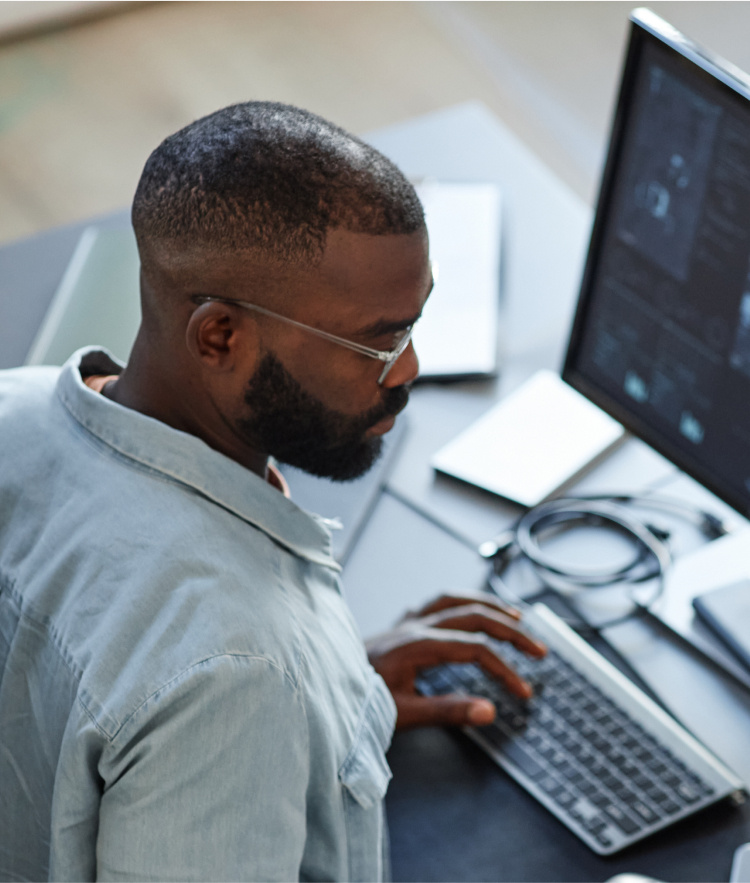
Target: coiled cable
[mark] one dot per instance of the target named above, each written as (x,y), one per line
(650,560)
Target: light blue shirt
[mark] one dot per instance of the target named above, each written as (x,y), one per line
(183,693)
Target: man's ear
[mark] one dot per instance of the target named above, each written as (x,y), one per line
(216,336)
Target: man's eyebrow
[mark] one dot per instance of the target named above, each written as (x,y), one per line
(384,326)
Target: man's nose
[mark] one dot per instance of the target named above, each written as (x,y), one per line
(405,369)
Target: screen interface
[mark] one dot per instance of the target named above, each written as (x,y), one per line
(662,335)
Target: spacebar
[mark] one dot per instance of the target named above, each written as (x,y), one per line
(521,758)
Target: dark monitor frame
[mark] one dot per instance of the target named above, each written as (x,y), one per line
(646,27)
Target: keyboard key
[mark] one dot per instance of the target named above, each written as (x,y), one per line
(589,788)
(584,810)
(595,826)
(659,797)
(551,785)
(610,781)
(565,798)
(623,821)
(645,812)
(689,793)
(625,795)
(515,752)
(598,770)
(668,806)
(599,741)
(601,799)
(567,769)
(534,740)
(642,781)
(582,753)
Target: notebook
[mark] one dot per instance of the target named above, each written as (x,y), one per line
(457,336)
(534,442)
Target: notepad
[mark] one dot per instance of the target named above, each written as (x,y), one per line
(533,443)
(457,336)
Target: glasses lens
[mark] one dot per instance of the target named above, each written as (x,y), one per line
(400,344)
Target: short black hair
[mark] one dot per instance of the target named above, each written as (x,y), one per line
(272,178)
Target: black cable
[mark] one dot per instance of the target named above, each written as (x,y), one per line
(651,557)
(429,516)
(586,509)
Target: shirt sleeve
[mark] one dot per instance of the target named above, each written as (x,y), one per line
(207,781)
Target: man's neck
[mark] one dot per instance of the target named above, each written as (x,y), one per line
(147,387)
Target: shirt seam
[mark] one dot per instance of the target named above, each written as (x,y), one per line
(179,676)
(25,610)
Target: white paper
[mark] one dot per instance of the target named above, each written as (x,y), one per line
(532,443)
(457,333)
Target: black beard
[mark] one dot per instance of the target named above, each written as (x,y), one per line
(299,430)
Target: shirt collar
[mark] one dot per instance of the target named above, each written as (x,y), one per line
(187,460)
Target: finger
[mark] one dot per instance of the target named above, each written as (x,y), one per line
(451,710)
(445,602)
(476,618)
(437,647)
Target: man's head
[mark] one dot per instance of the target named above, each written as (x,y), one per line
(268,178)
(270,205)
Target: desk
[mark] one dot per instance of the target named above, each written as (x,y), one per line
(454,815)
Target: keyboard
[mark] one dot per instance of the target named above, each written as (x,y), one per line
(590,746)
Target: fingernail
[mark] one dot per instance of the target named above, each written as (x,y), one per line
(481,712)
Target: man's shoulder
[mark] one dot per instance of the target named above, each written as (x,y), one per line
(23,389)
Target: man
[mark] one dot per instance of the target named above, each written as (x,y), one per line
(183,692)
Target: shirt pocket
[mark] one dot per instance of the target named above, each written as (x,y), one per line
(364,776)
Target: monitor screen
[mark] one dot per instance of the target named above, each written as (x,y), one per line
(661,336)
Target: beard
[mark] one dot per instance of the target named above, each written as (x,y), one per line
(298,429)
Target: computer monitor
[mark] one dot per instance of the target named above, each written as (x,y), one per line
(661,335)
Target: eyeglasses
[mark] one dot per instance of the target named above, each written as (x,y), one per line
(389,357)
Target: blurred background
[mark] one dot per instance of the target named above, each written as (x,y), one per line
(87,90)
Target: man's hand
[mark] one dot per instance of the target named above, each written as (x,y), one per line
(450,629)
